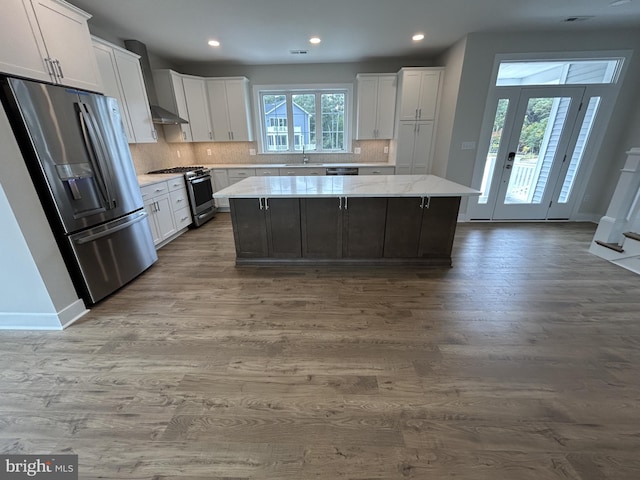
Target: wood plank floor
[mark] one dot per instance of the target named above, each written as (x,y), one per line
(520,362)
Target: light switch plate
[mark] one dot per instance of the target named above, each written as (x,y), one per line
(468,145)
(357,150)
(252,151)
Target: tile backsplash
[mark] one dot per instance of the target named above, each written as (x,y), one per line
(153,156)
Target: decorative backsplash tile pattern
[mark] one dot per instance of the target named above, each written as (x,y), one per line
(153,156)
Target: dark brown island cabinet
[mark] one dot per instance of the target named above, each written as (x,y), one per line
(273,226)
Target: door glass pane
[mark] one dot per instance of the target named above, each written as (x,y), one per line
(275,116)
(304,121)
(496,138)
(578,151)
(563,72)
(542,128)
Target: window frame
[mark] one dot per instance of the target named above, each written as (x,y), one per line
(289,90)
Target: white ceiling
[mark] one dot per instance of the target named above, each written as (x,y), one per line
(264,31)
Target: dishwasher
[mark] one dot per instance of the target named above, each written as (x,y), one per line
(342,171)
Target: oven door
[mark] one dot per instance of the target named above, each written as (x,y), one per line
(201,199)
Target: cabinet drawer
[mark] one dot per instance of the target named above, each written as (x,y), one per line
(183,218)
(153,190)
(237,174)
(179,199)
(376,170)
(176,183)
(296,171)
(267,172)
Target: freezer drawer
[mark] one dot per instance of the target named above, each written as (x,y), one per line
(113,254)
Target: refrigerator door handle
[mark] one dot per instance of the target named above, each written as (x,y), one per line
(87,129)
(110,231)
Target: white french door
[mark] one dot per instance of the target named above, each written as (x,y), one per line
(537,144)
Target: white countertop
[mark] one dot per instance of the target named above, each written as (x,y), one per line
(146,179)
(346,186)
(297,165)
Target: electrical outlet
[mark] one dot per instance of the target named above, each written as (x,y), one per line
(252,151)
(357,150)
(209,151)
(386,149)
(468,145)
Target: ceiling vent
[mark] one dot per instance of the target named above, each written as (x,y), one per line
(583,18)
(298,52)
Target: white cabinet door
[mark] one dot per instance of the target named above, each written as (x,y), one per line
(376,106)
(150,208)
(414,148)
(171,96)
(429,91)
(367,105)
(419,92)
(121,77)
(111,85)
(195,94)
(386,111)
(229,107)
(422,148)
(164,216)
(136,99)
(22,49)
(66,36)
(238,106)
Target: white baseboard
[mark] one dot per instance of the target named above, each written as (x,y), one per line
(43,321)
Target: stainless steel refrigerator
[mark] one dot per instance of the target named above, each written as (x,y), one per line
(74,145)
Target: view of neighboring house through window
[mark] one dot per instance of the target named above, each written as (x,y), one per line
(304,120)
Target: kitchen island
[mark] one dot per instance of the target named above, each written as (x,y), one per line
(373,220)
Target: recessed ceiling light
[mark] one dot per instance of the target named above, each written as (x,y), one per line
(617,3)
(417,37)
(315,40)
(214,43)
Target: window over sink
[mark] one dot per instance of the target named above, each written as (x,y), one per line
(305,119)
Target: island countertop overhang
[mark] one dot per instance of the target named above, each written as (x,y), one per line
(346,186)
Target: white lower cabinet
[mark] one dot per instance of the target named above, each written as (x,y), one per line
(303,171)
(168,207)
(414,148)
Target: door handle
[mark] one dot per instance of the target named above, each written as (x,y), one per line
(511,157)
(508,167)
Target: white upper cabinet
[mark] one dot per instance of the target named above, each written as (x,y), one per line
(230,110)
(376,106)
(170,88)
(47,40)
(121,77)
(419,91)
(195,94)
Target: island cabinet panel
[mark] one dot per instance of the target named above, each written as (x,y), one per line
(404,224)
(420,227)
(345,227)
(283,227)
(438,227)
(321,225)
(363,227)
(265,228)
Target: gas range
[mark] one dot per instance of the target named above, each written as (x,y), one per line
(189,171)
(199,189)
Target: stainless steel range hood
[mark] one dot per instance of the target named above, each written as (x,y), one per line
(159,115)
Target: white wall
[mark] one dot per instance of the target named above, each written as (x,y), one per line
(35,287)
(480,53)
(453,62)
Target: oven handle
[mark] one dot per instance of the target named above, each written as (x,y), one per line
(201,179)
